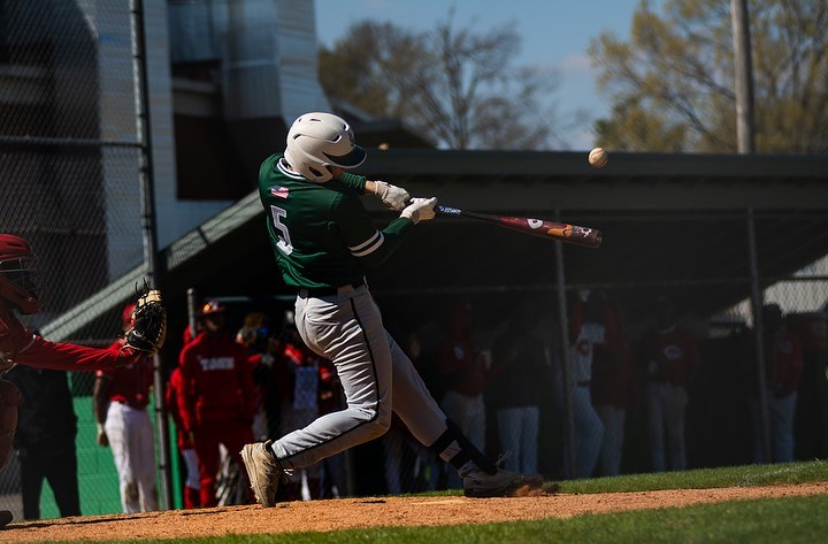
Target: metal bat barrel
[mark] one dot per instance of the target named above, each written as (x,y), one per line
(565,232)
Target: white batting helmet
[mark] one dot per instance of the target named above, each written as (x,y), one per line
(318,140)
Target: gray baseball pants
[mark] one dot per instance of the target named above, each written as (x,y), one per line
(377,378)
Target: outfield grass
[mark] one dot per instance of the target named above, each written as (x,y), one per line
(744,476)
(797,520)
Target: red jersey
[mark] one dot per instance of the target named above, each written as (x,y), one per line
(458,363)
(19,346)
(217,382)
(670,356)
(173,408)
(613,376)
(131,384)
(590,336)
(783,362)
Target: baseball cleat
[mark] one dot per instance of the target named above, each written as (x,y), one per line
(263,471)
(5,518)
(503,483)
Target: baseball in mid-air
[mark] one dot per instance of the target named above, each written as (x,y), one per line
(598,157)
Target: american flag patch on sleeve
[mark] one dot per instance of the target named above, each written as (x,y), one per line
(279,191)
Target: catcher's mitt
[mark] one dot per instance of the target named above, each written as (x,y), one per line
(149,323)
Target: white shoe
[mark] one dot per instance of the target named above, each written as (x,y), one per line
(263,471)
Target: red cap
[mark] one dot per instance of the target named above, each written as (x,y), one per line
(211,307)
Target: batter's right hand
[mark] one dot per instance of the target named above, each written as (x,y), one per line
(392,196)
(102,439)
(420,209)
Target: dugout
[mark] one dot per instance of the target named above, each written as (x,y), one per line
(685,225)
(668,221)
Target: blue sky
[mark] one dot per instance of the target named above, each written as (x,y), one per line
(555,35)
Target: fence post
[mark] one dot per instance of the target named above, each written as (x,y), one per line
(756,300)
(151,239)
(569,428)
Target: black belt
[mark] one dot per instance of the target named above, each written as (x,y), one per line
(328,291)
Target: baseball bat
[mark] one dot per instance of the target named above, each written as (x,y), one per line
(550,230)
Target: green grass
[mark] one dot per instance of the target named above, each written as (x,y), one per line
(797,520)
(743,476)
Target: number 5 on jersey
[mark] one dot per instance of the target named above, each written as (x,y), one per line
(284,244)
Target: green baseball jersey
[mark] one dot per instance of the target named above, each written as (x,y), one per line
(320,232)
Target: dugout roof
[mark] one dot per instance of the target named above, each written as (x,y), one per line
(675,223)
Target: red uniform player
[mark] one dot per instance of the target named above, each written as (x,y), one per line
(612,390)
(121,397)
(18,345)
(217,396)
(192,487)
(671,359)
(783,372)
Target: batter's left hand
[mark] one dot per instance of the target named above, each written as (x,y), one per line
(420,209)
(393,197)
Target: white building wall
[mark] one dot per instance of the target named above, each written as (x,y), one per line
(270,53)
(118,94)
(269,50)
(122,183)
(175,217)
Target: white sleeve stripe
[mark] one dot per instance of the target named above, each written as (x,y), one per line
(366,243)
(371,248)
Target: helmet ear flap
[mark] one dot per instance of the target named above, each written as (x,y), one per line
(311,169)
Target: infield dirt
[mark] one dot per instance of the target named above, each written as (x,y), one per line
(338,514)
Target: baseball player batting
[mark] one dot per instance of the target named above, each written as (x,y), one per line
(324,242)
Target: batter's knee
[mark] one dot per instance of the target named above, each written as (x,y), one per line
(378,422)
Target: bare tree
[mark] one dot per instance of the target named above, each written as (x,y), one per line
(459,87)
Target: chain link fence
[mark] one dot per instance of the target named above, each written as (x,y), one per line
(70,161)
(649,390)
(728,367)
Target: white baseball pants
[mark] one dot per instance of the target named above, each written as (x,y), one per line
(191,461)
(518,429)
(613,445)
(130,436)
(667,404)
(376,375)
(781,414)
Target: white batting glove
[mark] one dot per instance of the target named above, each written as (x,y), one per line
(392,196)
(420,209)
